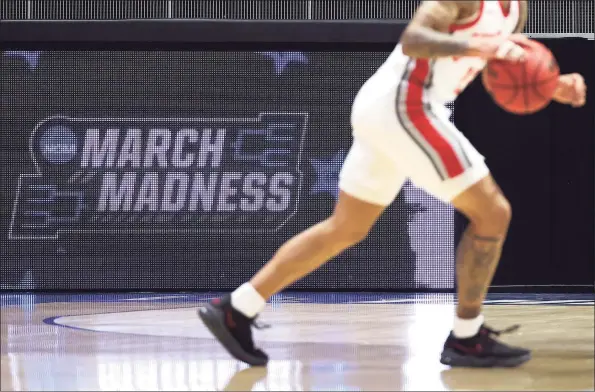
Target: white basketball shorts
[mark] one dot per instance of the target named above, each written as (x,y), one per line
(398,133)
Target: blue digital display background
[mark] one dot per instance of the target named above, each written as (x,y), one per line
(187,170)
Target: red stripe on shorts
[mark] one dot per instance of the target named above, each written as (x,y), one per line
(419,119)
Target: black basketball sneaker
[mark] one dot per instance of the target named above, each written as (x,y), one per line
(482,350)
(233,330)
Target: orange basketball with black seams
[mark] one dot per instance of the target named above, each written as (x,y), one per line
(527,87)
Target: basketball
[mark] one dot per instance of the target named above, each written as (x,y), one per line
(527,87)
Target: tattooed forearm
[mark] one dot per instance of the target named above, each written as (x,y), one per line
(422,42)
(427,35)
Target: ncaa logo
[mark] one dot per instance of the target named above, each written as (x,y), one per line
(58,144)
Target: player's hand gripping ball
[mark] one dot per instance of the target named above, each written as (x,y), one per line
(524,87)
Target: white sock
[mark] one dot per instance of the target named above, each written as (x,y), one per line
(466,328)
(246,300)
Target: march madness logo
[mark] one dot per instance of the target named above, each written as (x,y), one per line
(161,175)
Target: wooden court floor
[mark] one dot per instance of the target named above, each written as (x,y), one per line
(317,342)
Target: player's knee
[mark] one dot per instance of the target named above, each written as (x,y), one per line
(494,217)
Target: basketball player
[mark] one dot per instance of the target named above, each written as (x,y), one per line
(401,130)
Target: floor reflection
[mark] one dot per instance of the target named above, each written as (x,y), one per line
(365,343)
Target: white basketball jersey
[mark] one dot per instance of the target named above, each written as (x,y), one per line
(446,77)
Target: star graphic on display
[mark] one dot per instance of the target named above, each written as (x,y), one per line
(282,60)
(327,174)
(31,57)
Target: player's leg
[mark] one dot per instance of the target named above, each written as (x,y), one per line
(479,250)
(451,169)
(349,224)
(471,343)
(369,182)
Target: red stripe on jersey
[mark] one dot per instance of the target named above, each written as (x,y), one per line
(417,116)
(505,11)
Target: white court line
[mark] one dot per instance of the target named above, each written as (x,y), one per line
(399,301)
(537,302)
(154,298)
(492,301)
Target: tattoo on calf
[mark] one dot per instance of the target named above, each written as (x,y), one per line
(481,254)
(474,293)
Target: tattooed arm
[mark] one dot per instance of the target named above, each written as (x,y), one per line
(427,35)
